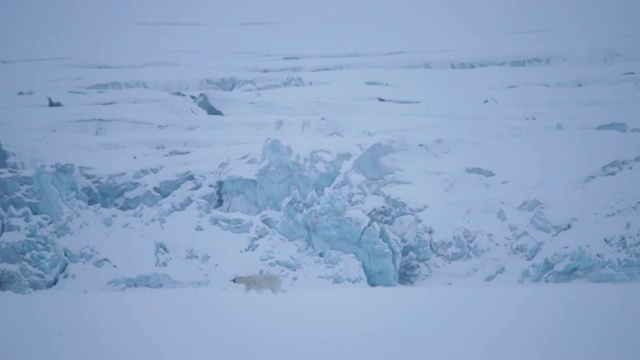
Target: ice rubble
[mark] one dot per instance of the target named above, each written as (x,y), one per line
(153,281)
(318,201)
(199,85)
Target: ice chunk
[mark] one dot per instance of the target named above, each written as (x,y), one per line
(107,192)
(13,281)
(118,85)
(501,215)
(237,194)
(534,251)
(147,198)
(9,188)
(498,271)
(40,262)
(285,175)
(4,156)
(620,127)
(480,171)
(455,249)
(292,264)
(368,163)
(409,269)
(191,255)
(539,222)
(293,81)
(336,232)
(202,101)
(613,167)
(85,254)
(330,225)
(53,103)
(395,101)
(53,189)
(230,83)
(162,254)
(153,281)
(238,226)
(280,177)
(579,264)
(530,205)
(377,258)
(165,188)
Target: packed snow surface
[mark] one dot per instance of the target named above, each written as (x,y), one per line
(451,322)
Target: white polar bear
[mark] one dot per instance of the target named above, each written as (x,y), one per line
(260,282)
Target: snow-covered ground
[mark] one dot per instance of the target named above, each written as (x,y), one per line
(523,322)
(338,144)
(389,143)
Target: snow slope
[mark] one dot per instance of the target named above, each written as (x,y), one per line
(395,142)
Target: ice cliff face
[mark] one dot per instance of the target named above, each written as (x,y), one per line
(333,206)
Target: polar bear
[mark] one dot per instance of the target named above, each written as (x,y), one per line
(260,282)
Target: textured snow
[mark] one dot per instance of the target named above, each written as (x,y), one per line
(432,179)
(394,143)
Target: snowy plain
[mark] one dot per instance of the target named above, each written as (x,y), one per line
(523,322)
(464,155)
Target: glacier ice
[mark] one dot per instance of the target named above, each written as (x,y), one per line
(581,264)
(316,201)
(37,209)
(409,269)
(237,195)
(292,196)
(40,265)
(52,190)
(179,87)
(4,157)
